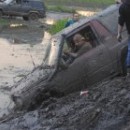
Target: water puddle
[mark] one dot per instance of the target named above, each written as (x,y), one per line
(21,50)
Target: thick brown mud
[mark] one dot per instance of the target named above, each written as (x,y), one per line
(105,107)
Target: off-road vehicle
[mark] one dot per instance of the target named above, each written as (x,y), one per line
(28,9)
(105,59)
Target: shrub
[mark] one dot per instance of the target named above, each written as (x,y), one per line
(57,26)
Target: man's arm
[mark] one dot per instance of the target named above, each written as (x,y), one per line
(121,21)
(120,28)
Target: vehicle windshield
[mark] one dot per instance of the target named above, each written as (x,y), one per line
(51,53)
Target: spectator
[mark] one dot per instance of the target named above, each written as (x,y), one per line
(74,19)
(124,18)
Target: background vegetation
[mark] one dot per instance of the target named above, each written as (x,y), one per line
(58,26)
(83,3)
(70,6)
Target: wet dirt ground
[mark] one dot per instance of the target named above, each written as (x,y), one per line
(105,107)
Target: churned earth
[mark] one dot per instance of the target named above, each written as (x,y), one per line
(105,107)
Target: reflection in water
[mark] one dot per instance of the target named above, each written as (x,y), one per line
(16,25)
(17,60)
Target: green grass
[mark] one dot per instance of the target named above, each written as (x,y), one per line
(60,9)
(58,26)
(3,22)
(79,2)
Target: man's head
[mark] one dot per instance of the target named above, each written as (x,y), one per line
(75,17)
(78,39)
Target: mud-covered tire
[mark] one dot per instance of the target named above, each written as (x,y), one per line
(25,18)
(1,13)
(123,62)
(33,16)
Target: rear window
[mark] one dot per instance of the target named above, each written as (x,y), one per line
(36,4)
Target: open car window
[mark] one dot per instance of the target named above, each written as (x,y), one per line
(71,51)
(88,33)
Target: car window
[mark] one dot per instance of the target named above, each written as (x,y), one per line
(86,32)
(36,4)
(110,21)
(73,49)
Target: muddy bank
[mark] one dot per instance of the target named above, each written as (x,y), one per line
(106,107)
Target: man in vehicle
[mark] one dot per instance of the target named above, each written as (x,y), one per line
(124,18)
(82,47)
(74,19)
(82,44)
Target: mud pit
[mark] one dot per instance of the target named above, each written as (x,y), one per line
(22,47)
(106,107)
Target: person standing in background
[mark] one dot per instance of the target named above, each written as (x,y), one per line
(124,19)
(74,19)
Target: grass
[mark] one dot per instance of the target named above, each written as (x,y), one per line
(60,9)
(79,2)
(58,26)
(4,22)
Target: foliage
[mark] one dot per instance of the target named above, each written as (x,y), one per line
(60,9)
(79,2)
(58,26)
(4,21)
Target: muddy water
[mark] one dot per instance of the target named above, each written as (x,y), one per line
(21,50)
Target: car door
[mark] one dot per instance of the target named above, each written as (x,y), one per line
(98,61)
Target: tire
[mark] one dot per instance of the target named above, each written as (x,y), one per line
(33,16)
(123,62)
(25,18)
(1,13)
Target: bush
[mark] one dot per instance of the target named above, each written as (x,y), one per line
(58,26)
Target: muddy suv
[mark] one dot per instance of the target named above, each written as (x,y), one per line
(28,9)
(105,59)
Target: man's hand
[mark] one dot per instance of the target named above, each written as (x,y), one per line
(119,37)
(67,52)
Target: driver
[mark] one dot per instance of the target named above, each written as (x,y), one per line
(82,46)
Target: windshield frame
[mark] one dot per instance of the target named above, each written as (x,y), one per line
(53,51)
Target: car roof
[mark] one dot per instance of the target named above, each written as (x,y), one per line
(99,16)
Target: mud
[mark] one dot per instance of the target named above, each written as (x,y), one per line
(106,107)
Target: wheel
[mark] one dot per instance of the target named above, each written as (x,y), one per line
(1,14)
(25,18)
(33,16)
